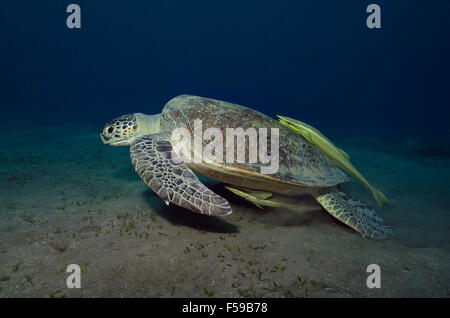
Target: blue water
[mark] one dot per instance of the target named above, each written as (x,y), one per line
(312,60)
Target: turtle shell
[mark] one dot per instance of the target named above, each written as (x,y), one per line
(300,163)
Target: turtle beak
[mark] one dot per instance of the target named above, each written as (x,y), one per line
(124,142)
(105,138)
(114,142)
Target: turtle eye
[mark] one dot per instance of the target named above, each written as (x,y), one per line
(110,129)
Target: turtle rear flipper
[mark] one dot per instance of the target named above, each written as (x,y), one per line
(172,180)
(354,213)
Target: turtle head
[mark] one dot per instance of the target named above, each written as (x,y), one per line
(124,130)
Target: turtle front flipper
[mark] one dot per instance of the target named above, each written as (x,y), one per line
(354,213)
(172,180)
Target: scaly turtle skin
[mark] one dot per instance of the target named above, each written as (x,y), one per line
(302,167)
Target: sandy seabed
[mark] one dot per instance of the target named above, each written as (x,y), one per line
(68,199)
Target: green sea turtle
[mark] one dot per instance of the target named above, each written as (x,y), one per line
(302,168)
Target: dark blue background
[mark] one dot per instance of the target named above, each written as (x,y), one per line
(312,60)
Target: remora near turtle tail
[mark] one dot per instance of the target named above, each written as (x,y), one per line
(338,156)
(379,196)
(172,180)
(354,213)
